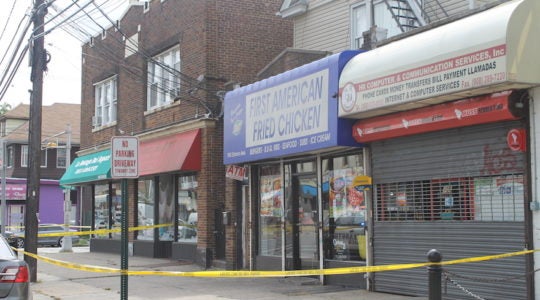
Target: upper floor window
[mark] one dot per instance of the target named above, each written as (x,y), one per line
(3,128)
(9,156)
(61,157)
(24,157)
(163,78)
(105,104)
(367,14)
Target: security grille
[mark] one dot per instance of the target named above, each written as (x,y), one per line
(487,198)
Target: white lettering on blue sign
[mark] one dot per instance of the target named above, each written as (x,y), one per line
(290,110)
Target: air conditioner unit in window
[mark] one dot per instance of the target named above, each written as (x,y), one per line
(96,121)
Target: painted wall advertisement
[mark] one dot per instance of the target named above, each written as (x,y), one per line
(289,113)
(458,73)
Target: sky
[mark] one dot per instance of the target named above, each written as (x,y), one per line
(62,81)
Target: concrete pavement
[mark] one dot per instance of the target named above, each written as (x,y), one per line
(60,283)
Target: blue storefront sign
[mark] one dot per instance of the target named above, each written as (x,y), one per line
(290,113)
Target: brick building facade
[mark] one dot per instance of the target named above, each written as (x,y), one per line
(159,73)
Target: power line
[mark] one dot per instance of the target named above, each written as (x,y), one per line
(7,20)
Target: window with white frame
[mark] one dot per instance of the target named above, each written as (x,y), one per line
(24,157)
(61,157)
(9,156)
(367,13)
(105,104)
(44,158)
(163,78)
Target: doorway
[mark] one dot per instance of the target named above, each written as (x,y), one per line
(302,216)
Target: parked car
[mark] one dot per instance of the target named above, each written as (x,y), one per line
(16,239)
(14,274)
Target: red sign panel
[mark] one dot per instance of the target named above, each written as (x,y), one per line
(516,139)
(472,111)
(236,172)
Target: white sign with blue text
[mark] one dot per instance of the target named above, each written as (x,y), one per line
(292,109)
(290,113)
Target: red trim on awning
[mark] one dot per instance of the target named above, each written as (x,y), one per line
(472,111)
(176,152)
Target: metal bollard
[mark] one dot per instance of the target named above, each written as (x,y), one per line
(435,271)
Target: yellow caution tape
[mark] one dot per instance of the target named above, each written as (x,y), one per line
(99,231)
(253,274)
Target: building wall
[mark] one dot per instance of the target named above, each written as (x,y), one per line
(326,26)
(225,41)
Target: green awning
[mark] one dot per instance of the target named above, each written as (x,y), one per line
(87,168)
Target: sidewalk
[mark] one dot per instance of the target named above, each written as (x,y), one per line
(59,283)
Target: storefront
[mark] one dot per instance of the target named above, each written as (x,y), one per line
(91,173)
(305,210)
(165,196)
(447,124)
(50,207)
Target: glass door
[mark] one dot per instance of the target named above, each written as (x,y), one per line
(301,219)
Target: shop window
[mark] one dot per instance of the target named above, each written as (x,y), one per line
(344,210)
(108,208)
(101,208)
(270,211)
(145,208)
(490,198)
(116,210)
(166,207)
(187,209)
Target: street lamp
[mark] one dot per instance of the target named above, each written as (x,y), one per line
(67,241)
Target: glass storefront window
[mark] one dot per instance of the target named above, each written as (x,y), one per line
(108,208)
(116,209)
(101,211)
(145,207)
(166,207)
(344,208)
(187,209)
(271,211)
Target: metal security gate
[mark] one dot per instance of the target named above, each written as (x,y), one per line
(460,191)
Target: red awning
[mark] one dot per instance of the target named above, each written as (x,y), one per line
(472,111)
(175,152)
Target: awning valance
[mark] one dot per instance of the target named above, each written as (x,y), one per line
(181,151)
(472,111)
(87,168)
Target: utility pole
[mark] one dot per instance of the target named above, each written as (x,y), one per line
(38,59)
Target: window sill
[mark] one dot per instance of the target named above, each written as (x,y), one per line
(160,108)
(104,126)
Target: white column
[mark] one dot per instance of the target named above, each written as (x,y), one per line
(535,171)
